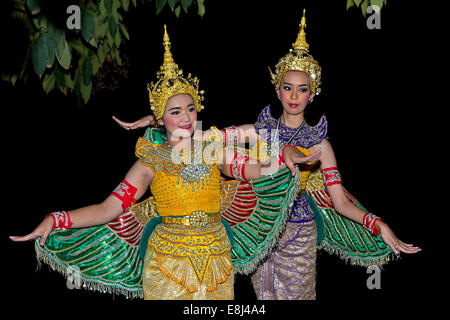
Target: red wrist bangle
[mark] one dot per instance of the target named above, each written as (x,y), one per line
(237,167)
(369,221)
(125,192)
(61,220)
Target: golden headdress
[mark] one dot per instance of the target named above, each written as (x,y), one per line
(170,82)
(299,59)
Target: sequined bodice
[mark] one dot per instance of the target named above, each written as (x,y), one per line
(180,189)
(308,136)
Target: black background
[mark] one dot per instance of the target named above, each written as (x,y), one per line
(375,93)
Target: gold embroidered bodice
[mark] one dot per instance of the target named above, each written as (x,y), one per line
(173,195)
(196,257)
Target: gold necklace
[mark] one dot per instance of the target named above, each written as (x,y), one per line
(195,172)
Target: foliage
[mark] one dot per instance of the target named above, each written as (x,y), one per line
(69,59)
(364,4)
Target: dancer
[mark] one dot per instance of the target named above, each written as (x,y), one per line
(174,245)
(325,215)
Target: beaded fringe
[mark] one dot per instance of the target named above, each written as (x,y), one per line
(355,260)
(87,284)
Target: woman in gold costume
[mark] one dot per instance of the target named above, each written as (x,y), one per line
(187,255)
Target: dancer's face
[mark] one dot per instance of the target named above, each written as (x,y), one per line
(295,91)
(179,116)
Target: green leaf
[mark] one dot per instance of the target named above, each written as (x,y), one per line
(60,76)
(109,40)
(378,3)
(95,65)
(87,24)
(48,84)
(85,91)
(172,4)
(134,3)
(358,2)
(160,4)
(115,54)
(350,3)
(117,39)
(63,54)
(34,7)
(39,54)
(54,33)
(102,29)
(124,31)
(108,5)
(101,10)
(69,82)
(177,11)
(112,27)
(201,7)
(364,6)
(186,4)
(13,79)
(79,46)
(50,46)
(86,71)
(101,54)
(125,5)
(41,23)
(93,42)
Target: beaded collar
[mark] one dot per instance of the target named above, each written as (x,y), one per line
(306,137)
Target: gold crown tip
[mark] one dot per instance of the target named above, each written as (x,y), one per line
(303,20)
(166,40)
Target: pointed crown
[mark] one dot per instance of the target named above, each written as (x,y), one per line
(298,59)
(170,82)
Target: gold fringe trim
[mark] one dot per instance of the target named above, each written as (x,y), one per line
(355,260)
(85,283)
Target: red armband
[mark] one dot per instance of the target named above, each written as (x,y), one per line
(232,136)
(125,192)
(237,167)
(61,220)
(369,220)
(331,176)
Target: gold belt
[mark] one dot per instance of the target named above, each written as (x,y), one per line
(195,219)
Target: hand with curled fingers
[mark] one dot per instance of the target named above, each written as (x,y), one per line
(291,156)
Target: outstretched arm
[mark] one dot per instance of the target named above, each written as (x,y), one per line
(141,123)
(138,176)
(345,207)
